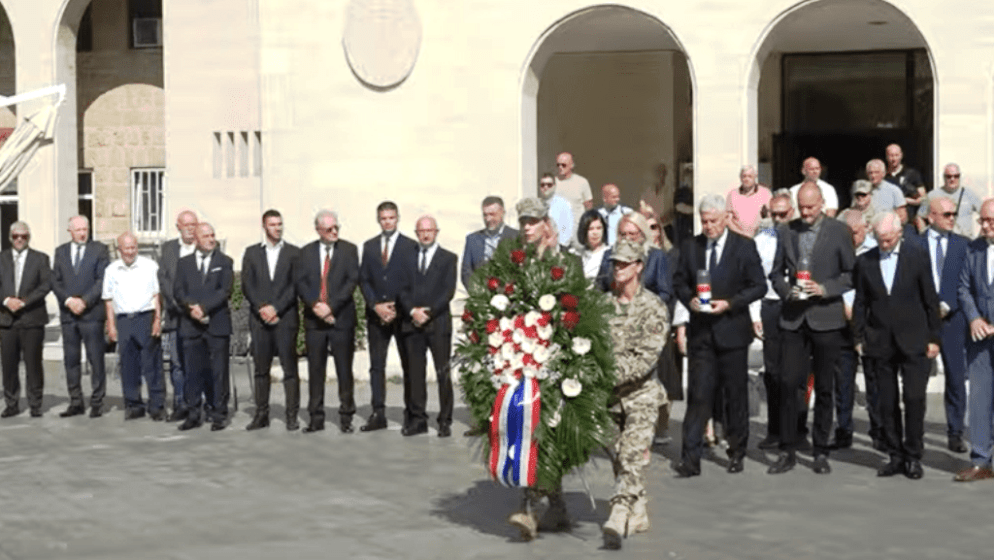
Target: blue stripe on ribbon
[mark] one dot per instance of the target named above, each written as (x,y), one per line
(515,433)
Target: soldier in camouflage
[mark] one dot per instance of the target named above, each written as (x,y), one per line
(638,331)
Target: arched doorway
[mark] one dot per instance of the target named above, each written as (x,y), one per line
(840,80)
(8,119)
(612,86)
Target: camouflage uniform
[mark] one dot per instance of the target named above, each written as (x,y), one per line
(638,331)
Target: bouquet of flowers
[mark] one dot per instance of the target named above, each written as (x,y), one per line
(537,366)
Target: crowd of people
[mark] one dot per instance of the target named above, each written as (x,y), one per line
(785,267)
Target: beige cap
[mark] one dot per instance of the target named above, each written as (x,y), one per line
(532,208)
(628,251)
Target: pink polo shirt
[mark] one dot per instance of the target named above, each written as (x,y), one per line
(745,209)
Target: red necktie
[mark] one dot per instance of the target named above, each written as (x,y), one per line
(386,253)
(323,298)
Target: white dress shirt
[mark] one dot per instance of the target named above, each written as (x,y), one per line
(390,240)
(19,259)
(766,244)
(132,288)
(325,251)
(888,265)
(990,263)
(185,249)
(427,253)
(718,245)
(272,256)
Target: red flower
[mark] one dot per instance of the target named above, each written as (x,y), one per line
(509,289)
(557,272)
(519,322)
(473,337)
(569,301)
(492,326)
(531,332)
(467,316)
(517,256)
(545,319)
(493,350)
(493,284)
(529,360)
(571,319)
(508,336)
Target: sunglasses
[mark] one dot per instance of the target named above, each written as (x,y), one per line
(948,214)
(544,184)
(19,236)
(948,176)
(779,214)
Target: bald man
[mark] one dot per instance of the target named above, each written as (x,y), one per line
(172,251)
(612,210)
(574,188)
(811,170)
(905,178)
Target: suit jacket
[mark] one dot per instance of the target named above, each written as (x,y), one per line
(434,289)
(908,317)
(343,275)
(211,293)
(737,278)
(380,284)
(472,256)
(832,262)
(948,288)
(655,276)
(36,281)
(280,292)
(976,294)
(167,278)
(86,284)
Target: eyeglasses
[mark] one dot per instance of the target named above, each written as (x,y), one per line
(20,236)
(562,165)
(986,221)
(424,230)
(948,214)
(862,194)
(779,214)
(330,228)
(951,176)
(545,184)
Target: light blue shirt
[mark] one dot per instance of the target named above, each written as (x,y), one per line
(933,238)
(766,244)
(560,211)
(612,217)
(888,266)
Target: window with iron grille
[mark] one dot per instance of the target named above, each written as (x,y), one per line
(148,189)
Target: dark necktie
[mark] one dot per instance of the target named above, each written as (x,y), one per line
(204,264)
(713,259)
(940,257)
(386,250)
(424,254)
(323,297)
(76,259)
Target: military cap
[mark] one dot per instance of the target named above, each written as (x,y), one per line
(628,251)
(862,186)
(532,208)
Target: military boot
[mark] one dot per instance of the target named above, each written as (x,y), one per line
(526,520)
(639,521)
(555,518)
(616,526)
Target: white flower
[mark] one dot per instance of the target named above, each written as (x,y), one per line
(495,339)
(545,333)
(541,354)
(581,345)
(528,345)
(571,387)
(530,372)
(517,362)
(496,381)
(547,302)
(518,336)
(506,323)
(556,416)
(532,317)
(542,373)
(500,302)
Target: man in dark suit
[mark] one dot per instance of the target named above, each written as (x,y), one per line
(427,325)
(480,245)
(386,259)
(268,276)
(172,251)
(25,279)
(77,280)
(719,337)
(896,324)
(203,286)
(818,255)
(947,252)
(327,274)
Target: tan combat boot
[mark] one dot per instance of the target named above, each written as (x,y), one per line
(616,526)
(555,518)
(639,521)
(525,520)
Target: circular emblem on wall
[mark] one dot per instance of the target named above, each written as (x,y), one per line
(381,40)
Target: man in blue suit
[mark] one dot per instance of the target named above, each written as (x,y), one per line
(976,296)
(383,274)
(947,252)
(480,245)
(77,280)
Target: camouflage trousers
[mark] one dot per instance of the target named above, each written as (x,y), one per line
(636,416)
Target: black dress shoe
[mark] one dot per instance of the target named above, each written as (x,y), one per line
(95,412)
(879,445)
(843,440)
(10,411)
(444,430)
(36,413)
(258,421)
(893,467)
(684,469)
(73,410)
(913,469)
(735,465)
(414,429)
(375,422)
(345,425)
(217,425)
(821,465)
(134,413)
(313,426)
(158,415)
(189,424)
(956,444)
(769,443)
(785,462)
(178,414)
(292,424)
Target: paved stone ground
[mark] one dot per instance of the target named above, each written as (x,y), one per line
(106,489)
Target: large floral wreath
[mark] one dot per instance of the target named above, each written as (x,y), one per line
(537,324)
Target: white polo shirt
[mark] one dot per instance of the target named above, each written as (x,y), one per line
(132,288)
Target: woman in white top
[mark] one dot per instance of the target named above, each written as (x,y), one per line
(591,234)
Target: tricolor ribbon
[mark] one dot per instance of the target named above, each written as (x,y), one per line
(513,450)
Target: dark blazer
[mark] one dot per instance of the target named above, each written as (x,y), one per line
(280,292)
(655,276)
(976,295)
(168,260)
(954,258)
(379,285)
(212,293)
(36,281)
(738,278)
(343,275)
(472,256)
(908,317)
(434,289)
(87,284)
(833,258)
